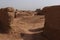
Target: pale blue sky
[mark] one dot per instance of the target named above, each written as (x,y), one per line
(28,4)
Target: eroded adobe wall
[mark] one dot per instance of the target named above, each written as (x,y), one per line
(6,15)
(52,22)
(11,13)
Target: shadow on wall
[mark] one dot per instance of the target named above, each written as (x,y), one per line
(4,29)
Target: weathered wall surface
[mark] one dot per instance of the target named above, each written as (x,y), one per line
(6,15)
(52,22)
(11,13)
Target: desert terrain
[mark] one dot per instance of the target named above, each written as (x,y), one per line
(30,25)
(21,22)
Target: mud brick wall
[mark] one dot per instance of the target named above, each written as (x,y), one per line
(6,15)
(52,22)
(11,13)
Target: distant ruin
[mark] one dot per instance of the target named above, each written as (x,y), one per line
(25,13)
(39,12)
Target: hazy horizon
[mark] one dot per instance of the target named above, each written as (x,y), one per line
(28,4)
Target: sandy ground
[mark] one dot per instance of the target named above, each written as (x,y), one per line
(22,25)
(26,23)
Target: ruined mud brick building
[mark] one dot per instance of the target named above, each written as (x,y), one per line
(52,22)
(6,15)
(51,29)
(39,12)
(20,13)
